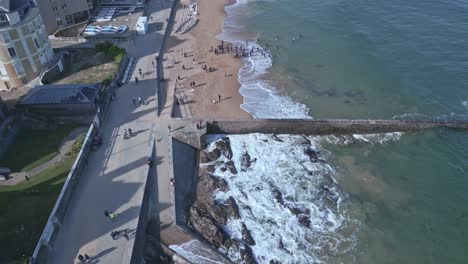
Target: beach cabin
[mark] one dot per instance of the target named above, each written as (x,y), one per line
(142,25)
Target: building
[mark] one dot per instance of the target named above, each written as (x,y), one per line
(24,47)
(66,102)
(3,110)
(58,14)
(122,3)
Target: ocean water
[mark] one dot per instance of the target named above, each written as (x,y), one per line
(395,198)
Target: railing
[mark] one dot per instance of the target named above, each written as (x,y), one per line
(61,205)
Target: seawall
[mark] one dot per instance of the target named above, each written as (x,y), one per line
(327,126)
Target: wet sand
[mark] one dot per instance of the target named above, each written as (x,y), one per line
(187,54)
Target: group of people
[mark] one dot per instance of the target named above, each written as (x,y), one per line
(127,133)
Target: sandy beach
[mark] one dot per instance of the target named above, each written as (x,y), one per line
(186,56)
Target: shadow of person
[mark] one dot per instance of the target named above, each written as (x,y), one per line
(95,259)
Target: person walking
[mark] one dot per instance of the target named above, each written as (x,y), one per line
(140,101)
(126,236)
(136,80)
(109,214)
(81,259)
(139,70)
(134,101)
(219,98)
(130,131)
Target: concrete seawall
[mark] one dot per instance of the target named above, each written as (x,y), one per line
(327,126)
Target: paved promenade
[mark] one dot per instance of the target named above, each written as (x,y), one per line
(115,175)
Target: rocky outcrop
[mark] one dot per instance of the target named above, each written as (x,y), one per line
(246,236)
(224,147)
(245,162)
(206,216)
(201,221)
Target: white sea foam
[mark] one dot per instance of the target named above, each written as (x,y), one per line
(261,98)
(194,252)
(305,185)
(465,104)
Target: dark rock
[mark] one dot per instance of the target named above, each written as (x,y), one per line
(231,167)
(265,140)
(213,155)
(223,169)
(254,160)
(271,222)
(247,254)
(224,147)
(277,195)
(275,137)
(305,141)
(312,153)
(211,168)
(297,210)
(201,221)
(304,220)
(221,212)
(233,208)
(274,262)
(207,184)
(281,246)
(246,236)
(245,161)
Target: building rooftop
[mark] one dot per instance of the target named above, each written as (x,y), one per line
(11,5)
(62,94)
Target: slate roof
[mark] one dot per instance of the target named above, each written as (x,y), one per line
(11,5)
(62,94)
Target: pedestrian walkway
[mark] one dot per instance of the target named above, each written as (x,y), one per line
(115,175)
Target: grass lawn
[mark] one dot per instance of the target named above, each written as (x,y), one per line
(25,208)
(34,147)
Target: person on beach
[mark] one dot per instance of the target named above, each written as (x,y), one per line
(130,131)
(134,101)
(140,101)
(152,62)
(136,80)
(219,98)
(183,67)
(139,70)
(172,182)
(87,258)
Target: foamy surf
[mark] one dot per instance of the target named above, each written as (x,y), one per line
(291,203)
(261,98)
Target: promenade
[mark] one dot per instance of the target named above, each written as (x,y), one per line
(115,174)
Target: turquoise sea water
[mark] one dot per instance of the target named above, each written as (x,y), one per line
(375,59)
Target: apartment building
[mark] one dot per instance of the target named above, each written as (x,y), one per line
(58,14)
(3,110)
(24,47)
(121,3)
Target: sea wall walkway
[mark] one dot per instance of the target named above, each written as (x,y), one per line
(327,126)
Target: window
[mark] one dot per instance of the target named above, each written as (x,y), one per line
(6,37)
(69,20)
(3,72)
(36,43)
(12,52)
(18,67)
(43,37)
(31,28)
(43,59)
